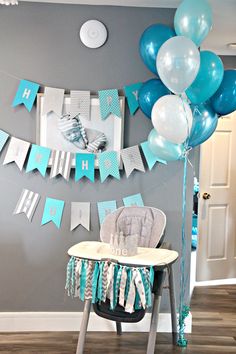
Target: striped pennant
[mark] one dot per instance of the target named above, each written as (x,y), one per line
(61,164)
(3,139)
(27,203)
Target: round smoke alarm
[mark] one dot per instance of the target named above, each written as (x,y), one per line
(93,34)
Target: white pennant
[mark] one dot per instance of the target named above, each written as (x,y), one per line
(132,160)
(27,203)
(53,100)
(80,215)
(61,164)
(17,152)
(80,103)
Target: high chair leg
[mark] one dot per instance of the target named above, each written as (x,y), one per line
(83,327)
(173,306)
(118,328)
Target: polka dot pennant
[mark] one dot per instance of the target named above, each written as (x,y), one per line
(109,103)
(108,165)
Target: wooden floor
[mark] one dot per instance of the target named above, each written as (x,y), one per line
(214,331)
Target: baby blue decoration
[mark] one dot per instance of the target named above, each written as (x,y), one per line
(105,208)
(26,94)
(38,159)
(149,156)
(208,79)
(193,19)
(149,93)
(108,165)
(84,166)
(3,139)
(164,150)
(224,100)
(132,93)
(133,200)
(109,103)
(205,121)
(53,210)
(151,41)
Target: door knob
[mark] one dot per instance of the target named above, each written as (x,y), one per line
(206,196)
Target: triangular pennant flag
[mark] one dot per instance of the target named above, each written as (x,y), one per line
(150,157)
(80,104)
(132,160)
(80,215)
(108,165)
(61,164)
(27,203)
(53,210)
(133,200)
(17,152)
(105,208)
(26,94)
(131,93)
(84,166)
(109,103)
(3,139)
(38,159)
(53,100)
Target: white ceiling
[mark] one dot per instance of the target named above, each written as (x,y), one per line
(224,23)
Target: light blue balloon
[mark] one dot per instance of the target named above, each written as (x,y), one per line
(205,121)
(224,100)
(193,19)
(208,79)
(151,41)
(149,93)
(164,149)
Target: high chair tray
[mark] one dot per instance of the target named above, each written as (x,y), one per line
(146,256)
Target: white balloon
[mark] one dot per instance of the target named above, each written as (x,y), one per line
(172,118)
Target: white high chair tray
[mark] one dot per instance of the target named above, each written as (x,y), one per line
(146,256)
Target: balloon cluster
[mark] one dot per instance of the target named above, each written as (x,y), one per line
(191,89)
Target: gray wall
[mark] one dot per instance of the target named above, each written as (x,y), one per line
(40,42)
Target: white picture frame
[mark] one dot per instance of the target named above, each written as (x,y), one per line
(49,135)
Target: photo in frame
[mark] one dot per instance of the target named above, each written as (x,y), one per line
(60,133)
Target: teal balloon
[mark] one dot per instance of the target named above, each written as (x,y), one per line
(224,100)
(193,19)
(149,93)
(164,150)
(208,79)
(151,41)
(205,121)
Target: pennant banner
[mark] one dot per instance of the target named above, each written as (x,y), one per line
(53,210)
(105,208)
(27,203)
(38,159)
(84,164)
(53,100)
(80,104)
(26,94)
(17,152)
(108,165)
(61,164)
(132,160)
(109,103)
(80,215)
(133,200)
(3,139)
(149,156)
(131,93)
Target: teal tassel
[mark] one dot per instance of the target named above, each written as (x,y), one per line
(95,282)
(182,341)
(83,278)
(151,276)
(113,303)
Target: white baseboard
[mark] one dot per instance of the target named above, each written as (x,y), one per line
(230,281)
(70,321)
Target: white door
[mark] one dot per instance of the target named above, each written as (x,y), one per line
(216,254)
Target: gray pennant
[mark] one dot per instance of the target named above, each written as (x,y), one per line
(17,152)
(132,160)
(27,203)
(80,215)
(80,104)
(61,164)
(53,100)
